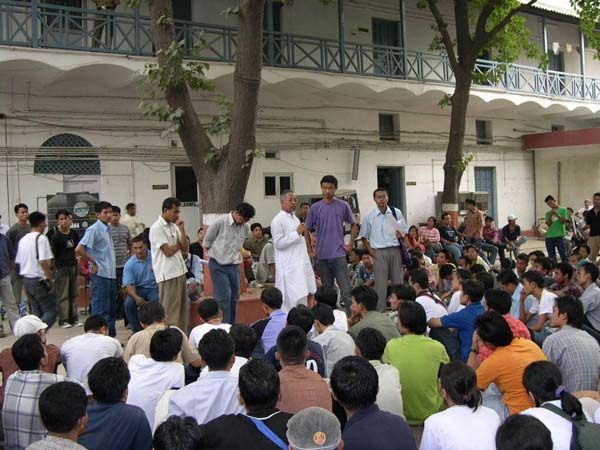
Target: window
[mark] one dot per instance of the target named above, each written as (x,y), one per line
(557,127)
(389,127)
(271,155)
(483,130)
(52,160)
(276,184)
(186,186)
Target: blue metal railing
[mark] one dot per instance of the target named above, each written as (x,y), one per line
(36,24)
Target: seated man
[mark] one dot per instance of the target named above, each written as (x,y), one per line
(21,419)
(267,329)
(329,296)
(194,277)
(511,235)
(335,343)
(111,422)
(370,344)
(544,302)
(564,283)
(178,433)
(80,353)
(366,272)
(300,387)
(259,393)
(150,377)
(314,422)
(364,305)
(572,350)
(244,340)
(400,293)
(473,253)
(139,281)
(63,410)
(354,384)
(215,394)
(587,276)
(491,239)
(508,281)
(265,267)
(212,317)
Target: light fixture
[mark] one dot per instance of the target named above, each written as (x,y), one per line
(569,48)
(555,47)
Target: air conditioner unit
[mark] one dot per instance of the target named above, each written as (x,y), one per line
(481,201)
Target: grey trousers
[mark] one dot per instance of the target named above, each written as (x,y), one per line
(388,266)
(10,302)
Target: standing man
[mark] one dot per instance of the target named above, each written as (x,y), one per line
(104,21)
(304,209)
(473,224)
(294,275)
(14,235)
(592,222)
(169,246)
(121,238)
(7,261)
(329,216)
(223,245)
(556,220)
(63,243)
(380,232)
(97,247)
(129,220)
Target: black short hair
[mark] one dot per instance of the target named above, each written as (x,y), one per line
(446,270)
(493,328)
(508,277)
(244,339)
(537,254)
(591,269)
(546,263)
(259,385)
(498,300)
(139,238)
(490,218)
(216,349)
(208,309)
(548,198)
(404,292)
(411,316)
(272,297)
(116,209)
(474,289)
(533,276)
(380,189)
(323,313)
(366,296)
(62,405)
(354,383)
(36,218)
(292,344)
(573,308)
(151,312)
(327,295)
(108,380)
(246,210)
(165,344)
(129,206)
(28,352)
(181,433)
(523,432)
(62,212)
(470,246)
(18,206)
(486,279)
(464,274)
(101,206)
(477,268)
(329,179)
(566,269)
(371,343)
(169,202)
(421,278)
(94,323)
(470,201)
(523,257)
(460,383)
(301,316)
(585,247)
(255,225)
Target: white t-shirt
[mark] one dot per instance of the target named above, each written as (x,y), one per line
(165,267)
(235,369)
(544,305)
(198,332)
(80,353)
(455,305)
(432,308)
(27,258)
(560,428)
(461,428)
(597,416)
(149,379)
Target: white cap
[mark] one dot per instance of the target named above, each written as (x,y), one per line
(28,325)
(512,217)
(314,429)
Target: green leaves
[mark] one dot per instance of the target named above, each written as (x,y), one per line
(221,123)
(589,16)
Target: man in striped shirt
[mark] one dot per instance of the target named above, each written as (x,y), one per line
(121,238)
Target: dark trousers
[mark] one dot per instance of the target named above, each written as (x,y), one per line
(336,269)
(104,301)
(557,243)
(42,300)
(67,291)
(226,287)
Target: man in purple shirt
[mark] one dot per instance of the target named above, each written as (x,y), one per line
(328,217)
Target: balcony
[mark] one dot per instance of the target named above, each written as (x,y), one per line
(41,25)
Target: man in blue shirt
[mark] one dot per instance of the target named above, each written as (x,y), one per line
(268,329)
(464,320)
(355,383)
(96,246)
(139,281)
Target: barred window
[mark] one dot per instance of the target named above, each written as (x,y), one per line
(51,161)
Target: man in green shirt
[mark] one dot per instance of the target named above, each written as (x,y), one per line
(556,220)
(364,307)
(418,359)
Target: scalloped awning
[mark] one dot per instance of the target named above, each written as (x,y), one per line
(557,6)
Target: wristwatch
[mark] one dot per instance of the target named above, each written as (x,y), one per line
(475,350)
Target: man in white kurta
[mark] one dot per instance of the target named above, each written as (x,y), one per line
(294,275)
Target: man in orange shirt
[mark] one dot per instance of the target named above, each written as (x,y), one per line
(505,367)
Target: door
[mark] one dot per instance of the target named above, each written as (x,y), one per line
(386,61)
(392,179)
(182,11)
(485,181)
(556,63)
(272,50)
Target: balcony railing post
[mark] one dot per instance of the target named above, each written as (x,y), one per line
(270,44)
(341,35)
(137,32)
(34,24)
(403,36)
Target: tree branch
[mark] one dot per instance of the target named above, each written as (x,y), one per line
(443,30)
(486,12)
(494,31)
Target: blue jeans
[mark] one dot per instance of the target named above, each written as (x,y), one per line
(455,249)
(552,244)
(42,302)
(433,249)
(226,288)
(492,398)
(491,250)
(104,301)
(130,307)
(336,269)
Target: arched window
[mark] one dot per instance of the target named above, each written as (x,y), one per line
(50,161)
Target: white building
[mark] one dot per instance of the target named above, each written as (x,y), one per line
(370,118)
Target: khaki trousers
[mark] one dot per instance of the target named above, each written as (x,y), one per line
(594,243)
(174,300)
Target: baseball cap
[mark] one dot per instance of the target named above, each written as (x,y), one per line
(29,324)
(512,217)
(314,429)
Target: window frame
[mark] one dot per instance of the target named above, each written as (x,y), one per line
(277,176)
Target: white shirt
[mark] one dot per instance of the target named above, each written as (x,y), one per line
(544,305)
(336,344)
(340,323)
(560,428)
(27,257)
(80,353)
(149,379)
(198,332)
(207,398)
(461,428)
(597,416)
(389,397)
(432,308)
(165,267)
(455,305)
(235,369)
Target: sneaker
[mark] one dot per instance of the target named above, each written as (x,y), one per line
(66,325)
(77,324)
